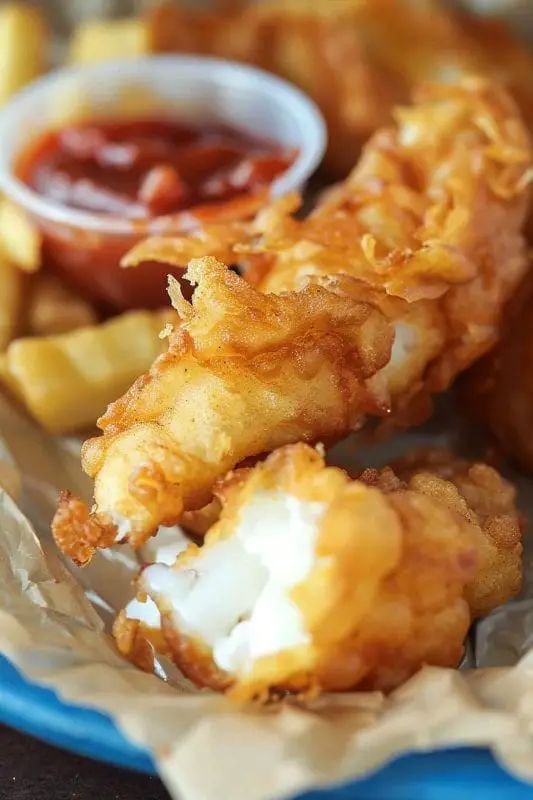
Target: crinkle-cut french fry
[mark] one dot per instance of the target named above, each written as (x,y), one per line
(10,300)
(20,240)
(7,381)
(23,40)
(53,308)
(99,40)
(67,381)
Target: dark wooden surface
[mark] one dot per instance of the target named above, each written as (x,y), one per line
(31,770)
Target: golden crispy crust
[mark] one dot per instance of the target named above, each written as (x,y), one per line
(194,660)
(400,558)
(77,532)
(420,616)
(427,227)
(137,642)
(491,502)
(432,214)
(244,373)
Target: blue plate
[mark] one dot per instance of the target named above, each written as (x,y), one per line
(445,775)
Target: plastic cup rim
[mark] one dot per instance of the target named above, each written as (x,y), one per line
(303,109)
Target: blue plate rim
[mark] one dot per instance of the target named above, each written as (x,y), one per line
(38,711)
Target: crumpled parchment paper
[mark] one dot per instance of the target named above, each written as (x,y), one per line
(55,621)
(205,747)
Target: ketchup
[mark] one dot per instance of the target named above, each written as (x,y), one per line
(137,170)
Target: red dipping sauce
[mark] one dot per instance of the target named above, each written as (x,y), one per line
(137,170)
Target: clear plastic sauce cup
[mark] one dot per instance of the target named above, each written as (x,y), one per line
(86,247)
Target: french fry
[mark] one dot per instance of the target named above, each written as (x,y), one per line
(67,381)
(23,43)
(53,308)
(6,379)
(20,240)
(10,300)
(99,40)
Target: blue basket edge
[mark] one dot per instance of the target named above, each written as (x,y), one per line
(38,711)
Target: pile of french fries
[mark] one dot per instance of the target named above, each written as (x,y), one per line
(56,357)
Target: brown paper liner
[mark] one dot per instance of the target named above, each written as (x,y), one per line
(205,747)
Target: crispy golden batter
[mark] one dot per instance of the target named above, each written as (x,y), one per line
(76,532)
(244,373)
(392,562)
(356,59)
(429,223)
(138,641)
(498,391)
(489,501)
(432,214)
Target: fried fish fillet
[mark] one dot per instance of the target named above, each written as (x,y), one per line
(429,224)
(244,373)
(343,583)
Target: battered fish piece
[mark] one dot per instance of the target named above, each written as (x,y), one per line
(244,373)
(343,584)
(429,224)
(488,500)
(433,214)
